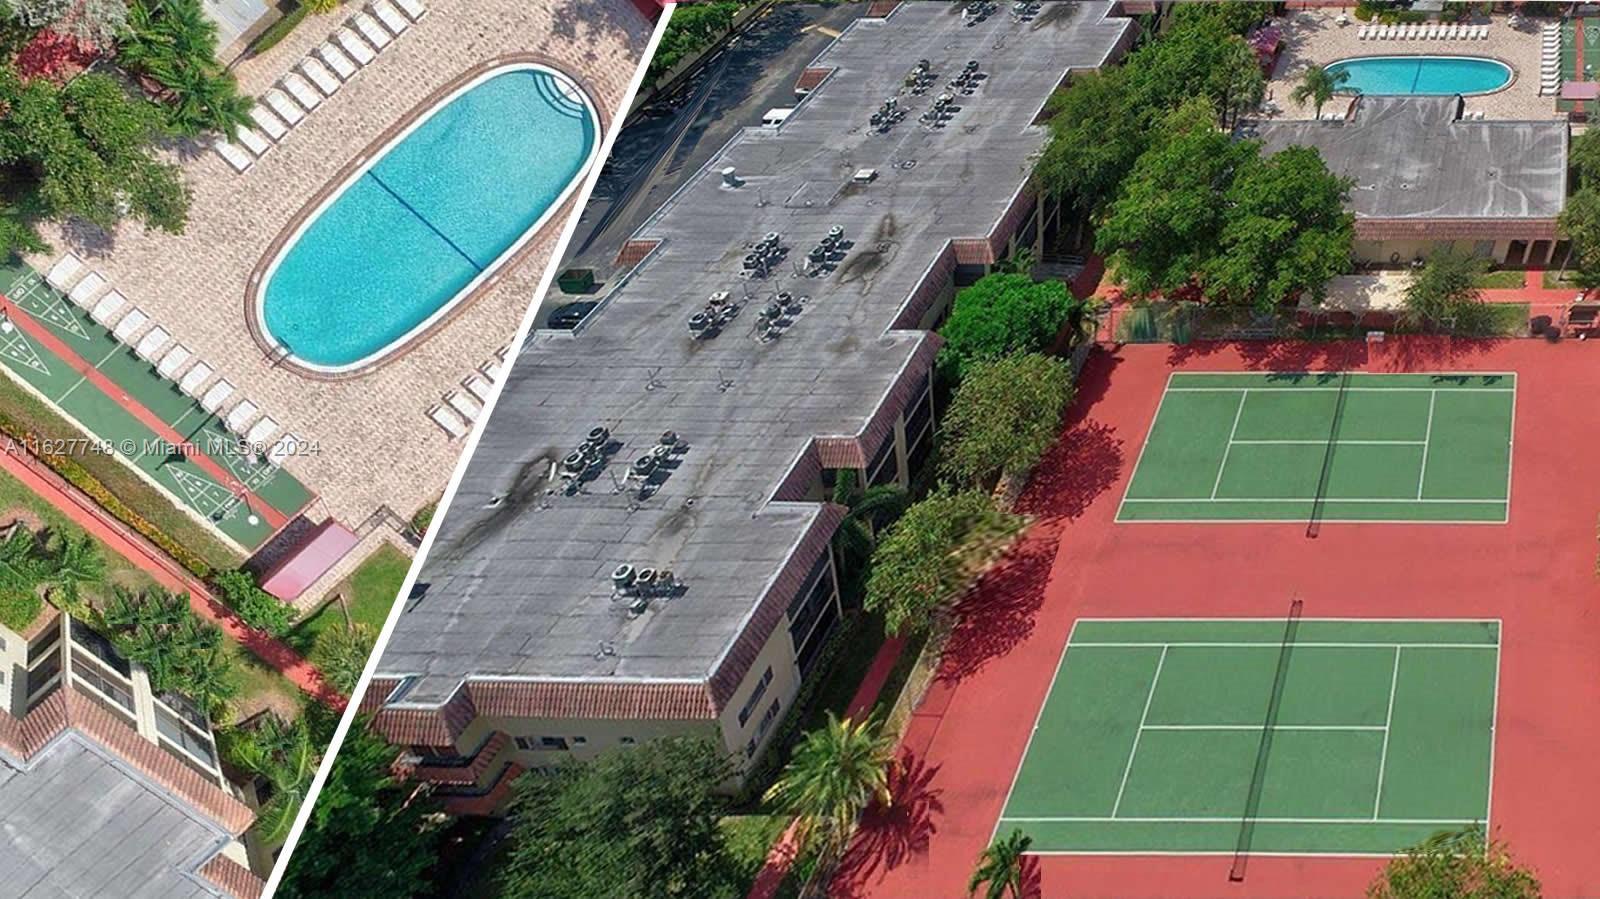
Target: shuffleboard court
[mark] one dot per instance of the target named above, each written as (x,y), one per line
(1149,741)
(141,417)
(1330,446)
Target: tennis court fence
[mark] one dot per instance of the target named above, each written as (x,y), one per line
(1181,322)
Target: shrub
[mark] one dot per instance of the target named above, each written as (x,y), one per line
(258,608)
(927,559)
(50,54)
(1002,314)
(340,653)
(1004,417)
(18,608)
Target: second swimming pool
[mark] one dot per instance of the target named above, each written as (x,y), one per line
(431,216)
(1428,75)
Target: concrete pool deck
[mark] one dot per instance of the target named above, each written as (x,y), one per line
(375,445)
(1314,37)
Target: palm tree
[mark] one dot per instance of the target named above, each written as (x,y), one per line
(77,562)
(1000,867)
(834,774)
(22,566)
(1319,85)
(340,653)
(869,511)
(285,756)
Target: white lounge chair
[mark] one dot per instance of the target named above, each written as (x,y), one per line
(131,324)
(1431,32)
(412,8)
(195,379)
(352,44)
(239,418)
(260,431)
(301,90)
(67,270)
(108,307)
(1362,32)
(271,124)
(388,16)
(371,30)
(281,450)
(236,156)
(1483,32)
(151,344)
(173,361)
(336,59)
(469,408)
(326,81)
(250,140)
(216,396)
(479,387)
(88,290)
(492,370)
(286,108)
(448,421)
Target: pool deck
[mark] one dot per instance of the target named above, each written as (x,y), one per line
(1314,37)
(376,446)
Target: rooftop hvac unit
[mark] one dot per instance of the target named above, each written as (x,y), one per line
(864,176)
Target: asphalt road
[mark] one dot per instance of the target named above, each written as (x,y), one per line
(669,140)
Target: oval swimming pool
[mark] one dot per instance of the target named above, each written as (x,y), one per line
(1426,75)
(426,219)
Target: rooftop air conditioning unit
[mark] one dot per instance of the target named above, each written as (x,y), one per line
(864,176)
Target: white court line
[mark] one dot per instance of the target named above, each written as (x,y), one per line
(1149,434)
(1297,645)
(1494,736)
(1388,721)
(1364,822)
(1324,441)
(1265,389)
(1128,768)
(1422,476)
(1237,414)
(1306,499)
(82,377)
(1276,727)
(1038,718)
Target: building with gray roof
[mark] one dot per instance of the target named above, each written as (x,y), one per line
(672,573)
(1426,176)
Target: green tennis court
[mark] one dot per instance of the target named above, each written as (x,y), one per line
(114,419)
(1148,739)
(1231,446)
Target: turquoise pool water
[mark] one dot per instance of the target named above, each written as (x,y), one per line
(434,215)
(1430,75)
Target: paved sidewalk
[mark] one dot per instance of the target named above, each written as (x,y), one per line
(136,549)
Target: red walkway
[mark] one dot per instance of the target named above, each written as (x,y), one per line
(1536,573)
(137,550)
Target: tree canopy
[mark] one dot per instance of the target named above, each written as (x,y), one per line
(925,560)
(1455,865)
(1002,314)
(1445,287)
(1580,218)
(834,774)
(1004,417)
(369,835)
(181,652)
(638,823)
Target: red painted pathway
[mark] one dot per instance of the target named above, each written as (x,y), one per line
(1536,573)
(137,550)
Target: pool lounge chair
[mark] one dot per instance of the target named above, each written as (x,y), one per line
(469,408)
(336,59)
(173,361)
(108,307)
(492,370)
(1432,32)
(131,324)
(271,124)
(234,155)
(412,8)
(240,416)
(250,140)
(67,270)
(196,378)
(352,44)
(479,386)
(301,90)
(281,450)
(87,291)
(371,30)
(286,108)
(260,431)
(1362,32)
(326,81)
(216,396)
(388,16)
(448,422)
(151,344)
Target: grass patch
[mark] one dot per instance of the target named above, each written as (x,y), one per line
(749,837)
(18,609)
(150,503)
(1561,280)
(1499,280)
(423,519)
(369,593)
(279,30)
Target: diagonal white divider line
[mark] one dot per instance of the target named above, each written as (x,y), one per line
(1427,437)
(1243,395)
(1134,750)
(1388,719)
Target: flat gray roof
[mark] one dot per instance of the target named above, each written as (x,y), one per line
(1411,157)
(519,575)
(76,824)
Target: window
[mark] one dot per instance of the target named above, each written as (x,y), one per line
(112,690)
(47,645)
(580,741)
(42,674)
(811,611)
(767,719)
(185,737)
(524,743)
(626,741)
(552,742)
(749,706)
(100,648)
(920,414)
(882,468)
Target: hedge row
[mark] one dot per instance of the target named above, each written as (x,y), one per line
(78,476)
